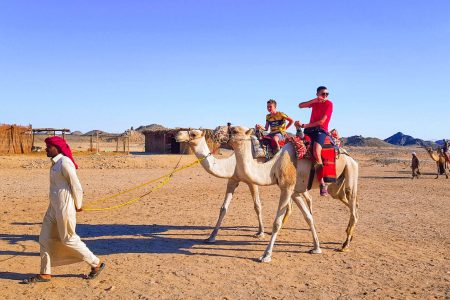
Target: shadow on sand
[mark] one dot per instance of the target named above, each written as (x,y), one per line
(106,239)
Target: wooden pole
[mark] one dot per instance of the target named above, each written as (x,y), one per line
(97,143)
(32,140)
(164,144)
(117,144)
(92,144)
(128,140)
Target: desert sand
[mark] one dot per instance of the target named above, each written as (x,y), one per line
(154,248)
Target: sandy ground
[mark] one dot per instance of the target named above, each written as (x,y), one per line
(154,249)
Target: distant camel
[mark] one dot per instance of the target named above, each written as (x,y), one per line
(439,158)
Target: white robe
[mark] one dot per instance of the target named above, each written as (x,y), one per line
(60,245)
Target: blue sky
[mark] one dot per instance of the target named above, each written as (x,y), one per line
(111,65)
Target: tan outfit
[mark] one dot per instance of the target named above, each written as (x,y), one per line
(60,245)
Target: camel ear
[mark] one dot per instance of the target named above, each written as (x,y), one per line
(249,132)
(203,133)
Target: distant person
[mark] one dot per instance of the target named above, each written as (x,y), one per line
(59,243)
(317,128)
(276,120)
(415,166)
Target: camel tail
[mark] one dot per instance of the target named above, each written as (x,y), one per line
(352,175)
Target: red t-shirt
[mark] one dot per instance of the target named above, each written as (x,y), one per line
(321,109)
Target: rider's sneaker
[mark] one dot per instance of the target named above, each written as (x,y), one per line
(323,190)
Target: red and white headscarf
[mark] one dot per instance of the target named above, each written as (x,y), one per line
(62,146)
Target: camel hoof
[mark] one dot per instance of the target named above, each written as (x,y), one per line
(210,240)
(345,249)
(265,258)
(315,251)
(259,235)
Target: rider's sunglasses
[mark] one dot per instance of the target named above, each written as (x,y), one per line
(324,94)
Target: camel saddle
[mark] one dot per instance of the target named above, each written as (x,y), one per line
(330,151)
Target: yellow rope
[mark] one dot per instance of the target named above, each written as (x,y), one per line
(132,200)
(166,178)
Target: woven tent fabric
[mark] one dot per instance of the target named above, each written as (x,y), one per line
(15,139)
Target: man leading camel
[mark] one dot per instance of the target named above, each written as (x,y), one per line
(60,245)
(317,128)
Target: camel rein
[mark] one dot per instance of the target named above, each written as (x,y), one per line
(164,179)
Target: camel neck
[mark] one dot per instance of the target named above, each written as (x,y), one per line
(223,168)
(434,155)
(249,169)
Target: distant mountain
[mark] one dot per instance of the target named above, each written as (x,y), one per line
(360,141)
(76,133)
(151,127)
(401,139)
(441,142)
(94,132)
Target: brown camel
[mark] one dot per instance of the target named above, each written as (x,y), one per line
(439,158)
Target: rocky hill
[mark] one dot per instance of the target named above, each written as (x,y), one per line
(360,141)
(151,127)
(94,132)
(441,142)
(401,139)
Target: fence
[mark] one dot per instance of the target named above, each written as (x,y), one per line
(90,143)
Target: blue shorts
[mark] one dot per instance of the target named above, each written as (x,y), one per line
(279,135)
(317,135)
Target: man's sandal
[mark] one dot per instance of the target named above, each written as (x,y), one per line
(35,279)
(95,272)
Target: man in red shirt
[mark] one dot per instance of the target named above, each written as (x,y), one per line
(317,128)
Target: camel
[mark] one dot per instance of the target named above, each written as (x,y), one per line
(222,168)
(291,176)
(439,158)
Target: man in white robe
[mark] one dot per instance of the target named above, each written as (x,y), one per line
(59,243)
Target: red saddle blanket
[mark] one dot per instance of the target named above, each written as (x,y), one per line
(303,150)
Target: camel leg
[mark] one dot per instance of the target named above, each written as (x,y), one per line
(257,205)
(231,187)
(285,199)
(351,193)
(298,198)
(287,214)
(308,198)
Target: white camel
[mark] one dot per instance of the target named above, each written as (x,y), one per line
(291,175)
(222,168)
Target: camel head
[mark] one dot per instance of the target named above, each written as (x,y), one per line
(238,135)
(193,137)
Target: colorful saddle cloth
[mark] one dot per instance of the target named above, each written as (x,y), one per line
(329,161)
(303,149)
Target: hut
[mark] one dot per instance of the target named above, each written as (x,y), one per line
(15,139)
(162,141)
